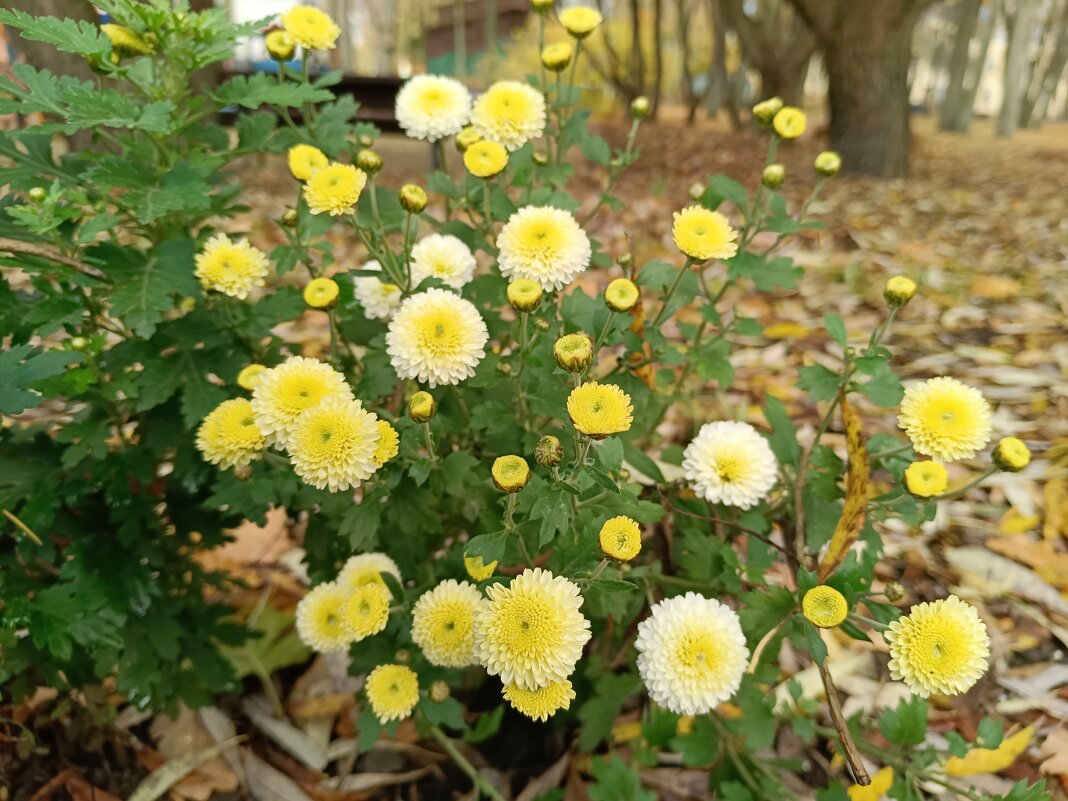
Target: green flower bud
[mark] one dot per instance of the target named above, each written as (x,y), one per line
(422,407)
(573,352)
(38,194)
(548,452)
(290,217)
(828,163)
(774,175)
(510,473)
(899,291)
(412,198)
(765,110)
(639,107)
(541,324)
(1011,455)
(369,161)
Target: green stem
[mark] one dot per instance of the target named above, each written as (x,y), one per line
(482,784)
(891,451)
(599,570)
(867,621)
(429,442)
(979,479)
(671,292)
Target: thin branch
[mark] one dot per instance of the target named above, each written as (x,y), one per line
(30,249)
(852,755)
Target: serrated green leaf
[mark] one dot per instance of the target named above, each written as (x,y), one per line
(262,89)
(21,367)
(144,285)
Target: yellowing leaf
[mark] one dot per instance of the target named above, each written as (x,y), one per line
(786,331)
(852,519)
(880,786)
(1056,494)
(625,732)
(991,760)
(1012,522)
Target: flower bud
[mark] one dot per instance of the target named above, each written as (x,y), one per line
(477,569)
(625,260)
(639,107)
(369,161)
(541,324)
(894,592)
(1011,455)
(765,110)
(403,656)
(249,376)
(774,175)
(412,198)
(548,452)
(439,692)
(485,159)
(540,157)
(321,293)
(524,295)
(467,137)
(77,343)
(825,607)
(504,368)
(510,473)
(696,191)
(580,21)
(289,218)
(573,352)
(899,291)
(422,407)
(620,538)
(243,472)
(541,6)
(37,194)
(790,122)
(556,57)
(827,163)
(621,295)
(280,45)
(365,140)
(926,479)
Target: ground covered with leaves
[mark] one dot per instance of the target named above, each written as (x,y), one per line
(981,225)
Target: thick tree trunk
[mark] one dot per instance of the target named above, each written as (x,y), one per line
(867,66)
(967,22)
(1047,73)
(975,69)
(1015,59)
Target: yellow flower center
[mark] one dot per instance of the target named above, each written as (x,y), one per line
(695,651)
(298,392)
(438,334)
(530,624)
(730,468)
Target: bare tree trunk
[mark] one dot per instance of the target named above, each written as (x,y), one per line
(459,37)
(974,76)
(1057,37)
(1019,25)
(717,73)
(490,35)
(967,22)
(777,42)
(658,55)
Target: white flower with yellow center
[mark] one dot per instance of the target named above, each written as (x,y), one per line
(691,653)
(510,113)
(320,622)
(443,623)
(730,463)
(436,337)
(543,244)
(333,445)
(531,632)
(367,568)
(284,392)
(380,299)
(444,257)
(432,107)
(542,703)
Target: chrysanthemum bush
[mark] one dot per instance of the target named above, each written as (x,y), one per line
(497,528)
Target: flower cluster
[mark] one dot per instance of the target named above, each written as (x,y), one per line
(335,614)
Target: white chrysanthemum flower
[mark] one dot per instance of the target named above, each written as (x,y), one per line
(320,623)
(545,245)
(445,257)
(730,463)
(510,113)
(333,445)
(380,299)
(443,623)
(288,390)
(531,631)
(691,653)
(436,337)
(367,568)
(432,107)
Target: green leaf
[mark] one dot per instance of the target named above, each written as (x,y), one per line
(907,724)
(489,546)
(817,648)
(616,781)
(67,35)
(721,188)
(783,439)
(990,734)
(637,458)
(820,383)
(554,510)
(599,711)
(444,713)
(612,585)
(836,328)
(21,367)
(360,524)
(601,478)
(144,285)
(957,745)
(263,89)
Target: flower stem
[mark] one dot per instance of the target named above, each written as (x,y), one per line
(671,293)
(979,479)
(482,784)
(853,759)
(429,442)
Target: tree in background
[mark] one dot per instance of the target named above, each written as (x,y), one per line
(777,42)
(1048,67)
(867,51)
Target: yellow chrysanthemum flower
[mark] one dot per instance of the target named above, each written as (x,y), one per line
(510,473)
(580,21)
(620,538)
(825,607)
(691,653)
(249,377)
(320,623)
(478,569)
(311,28)
(333,445)
(335,189)
(228,436)
(366,611)
(286,391)
(436,337)
(600,410)
(940,647)
(510,113)
(789,122)
(230,267)
(321,293)
(305,160)
(899,290)
(542,703)
(392,691)
(925,479)
(388,443)
(280,45)
(621,295)
(443,623)
(367,568)
(531,631)
(485,159)
(543,244)
(702,234)
(880,785)
(945,419)
(1011,454)
(125,41)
